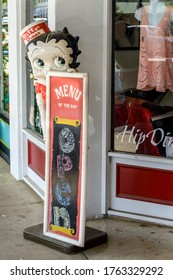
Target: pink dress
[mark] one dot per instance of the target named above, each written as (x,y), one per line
(156,54)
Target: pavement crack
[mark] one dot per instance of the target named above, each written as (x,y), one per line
(21,204)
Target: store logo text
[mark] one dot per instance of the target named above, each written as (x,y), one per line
(138,137)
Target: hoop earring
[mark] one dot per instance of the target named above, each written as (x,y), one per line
(32,76)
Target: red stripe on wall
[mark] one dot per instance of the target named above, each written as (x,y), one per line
(145,184)
(36,159)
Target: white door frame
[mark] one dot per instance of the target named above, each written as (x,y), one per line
(137,209)
(17,84)
(19,134)
(106,103)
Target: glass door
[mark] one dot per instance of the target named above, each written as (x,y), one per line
(33,143)
(142,131)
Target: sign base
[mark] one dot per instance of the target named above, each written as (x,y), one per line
(93,237)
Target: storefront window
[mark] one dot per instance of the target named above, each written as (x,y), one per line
(36,10)
(143,88)
(4,90)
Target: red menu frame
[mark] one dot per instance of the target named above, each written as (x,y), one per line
(66,156)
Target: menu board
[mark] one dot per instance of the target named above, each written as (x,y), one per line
(66,156)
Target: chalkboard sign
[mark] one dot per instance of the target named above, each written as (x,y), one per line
(66,156)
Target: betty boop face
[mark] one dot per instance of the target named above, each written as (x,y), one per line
(53,51)
(49,56)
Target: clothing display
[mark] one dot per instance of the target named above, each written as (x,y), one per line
(156,53)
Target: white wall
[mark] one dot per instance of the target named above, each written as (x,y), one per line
(86,19)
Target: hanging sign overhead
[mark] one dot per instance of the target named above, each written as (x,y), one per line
(66,156)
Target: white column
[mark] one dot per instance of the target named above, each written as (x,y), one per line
(17,83)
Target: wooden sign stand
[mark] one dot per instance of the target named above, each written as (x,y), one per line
(93,238)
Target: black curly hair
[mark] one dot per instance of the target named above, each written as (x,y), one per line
(60,35)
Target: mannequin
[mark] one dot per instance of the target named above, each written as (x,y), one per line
(156,51)
(155,12)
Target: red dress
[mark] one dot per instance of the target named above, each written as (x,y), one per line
(40,88)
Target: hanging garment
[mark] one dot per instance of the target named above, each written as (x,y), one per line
(156,54)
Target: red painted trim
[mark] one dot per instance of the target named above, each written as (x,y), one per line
(144,184)
(36,159)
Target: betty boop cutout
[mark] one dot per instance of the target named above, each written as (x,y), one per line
(48,51)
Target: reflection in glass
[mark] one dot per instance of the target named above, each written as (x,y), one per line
(4,54)
(39,11)
(143,102)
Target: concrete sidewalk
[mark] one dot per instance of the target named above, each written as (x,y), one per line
(20,208)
